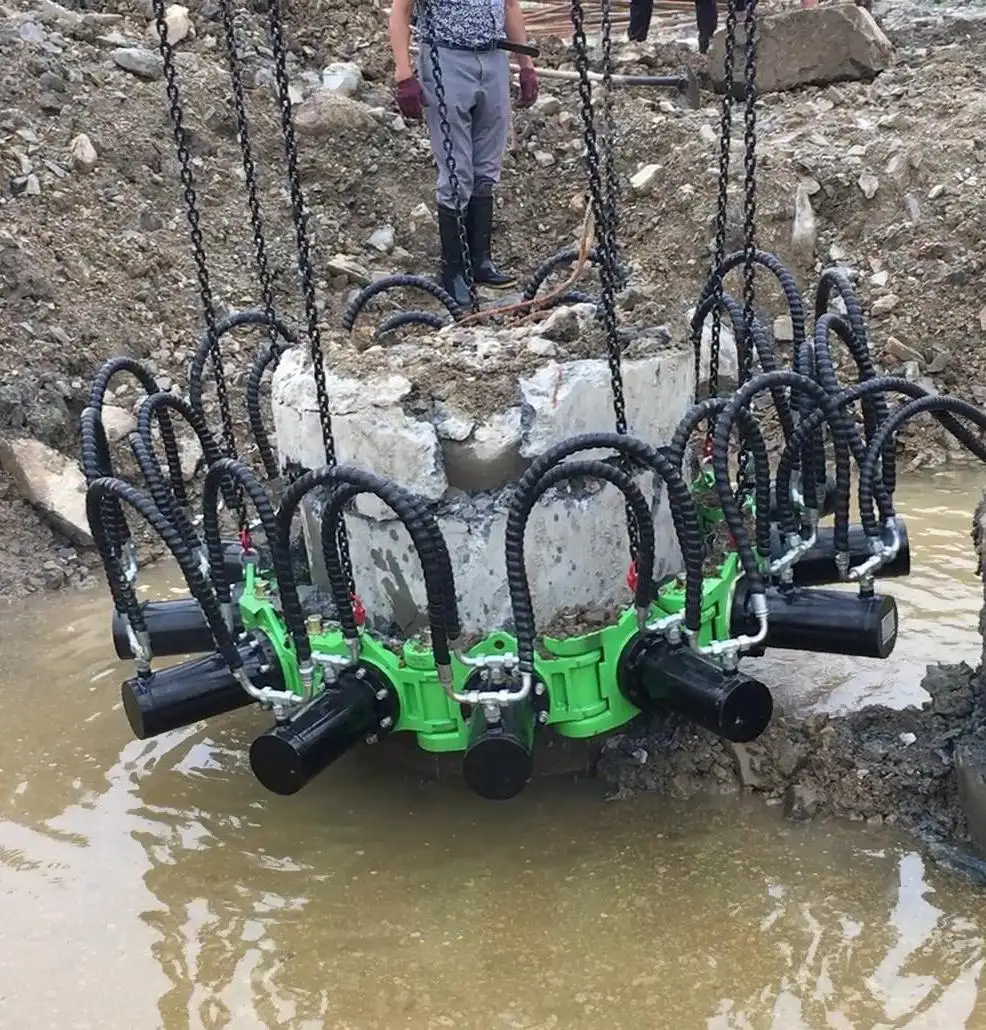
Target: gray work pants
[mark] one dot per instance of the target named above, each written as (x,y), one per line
(477,94)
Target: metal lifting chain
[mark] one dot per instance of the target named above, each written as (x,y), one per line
(600,211)
(725,132)
(442,106)
(300,216)
(745,346)
(250,173)
(198,247)
(612,225)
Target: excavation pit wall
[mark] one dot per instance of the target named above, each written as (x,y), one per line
(456,418)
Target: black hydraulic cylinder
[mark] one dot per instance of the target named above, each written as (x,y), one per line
(730,704)
(498,762)
(176,627)
(817,566)
(200,688)
(345,713)
(824,621)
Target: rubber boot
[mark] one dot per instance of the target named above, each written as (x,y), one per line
(479,225)
(451,278)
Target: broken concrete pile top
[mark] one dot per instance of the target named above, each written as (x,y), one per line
(467,408)
(478,369)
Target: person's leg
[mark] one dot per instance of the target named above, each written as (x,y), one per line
(459,80)
(641,12)
(490,133)
(707,18)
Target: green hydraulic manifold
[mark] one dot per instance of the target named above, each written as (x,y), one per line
(579,673)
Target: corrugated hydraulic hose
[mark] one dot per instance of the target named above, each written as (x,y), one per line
(163,499)
(435,566)
(332,513)
(684,514)
(564,257)
(868,478)
(267,357)
(875,409)
(230,468)
(141,373)
(96,464)
(163,404)
(196,367)
(123,594)
(761,346)
(398,282)
(520,510)
(709,410)
(720,463)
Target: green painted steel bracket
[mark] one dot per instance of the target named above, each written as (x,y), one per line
(580,673)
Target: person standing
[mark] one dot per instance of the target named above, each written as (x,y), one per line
(475,72)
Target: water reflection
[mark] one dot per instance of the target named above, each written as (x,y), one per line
(153,885)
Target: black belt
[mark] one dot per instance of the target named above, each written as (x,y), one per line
(484,48)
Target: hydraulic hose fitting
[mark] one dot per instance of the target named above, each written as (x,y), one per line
(883,550)
(669,626)
(728,651)
(140,648)
(500,670)
(797,547)
(266,697)
(307,675)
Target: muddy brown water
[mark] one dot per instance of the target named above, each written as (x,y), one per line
(155,885)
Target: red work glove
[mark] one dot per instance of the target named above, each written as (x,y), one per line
(410,98)
(528,87)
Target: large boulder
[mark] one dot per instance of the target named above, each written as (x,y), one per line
(810,46)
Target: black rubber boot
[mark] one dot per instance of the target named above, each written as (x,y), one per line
(451,278)
(480,228)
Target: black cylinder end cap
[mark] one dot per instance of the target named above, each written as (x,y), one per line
(276,764)
(497,768)
(747,711)
(131,692)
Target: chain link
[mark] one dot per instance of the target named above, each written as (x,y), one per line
(745,353)
(441,106)
(198,247)
(725,133)
(600,211)
(250,173)
(611,225)
(306,272)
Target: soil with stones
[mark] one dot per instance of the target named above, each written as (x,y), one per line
(95,257)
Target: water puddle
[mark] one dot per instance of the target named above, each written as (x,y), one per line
(155,886)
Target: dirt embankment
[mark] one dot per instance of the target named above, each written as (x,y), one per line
(95,257)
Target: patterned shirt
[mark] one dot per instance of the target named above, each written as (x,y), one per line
(461,22)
